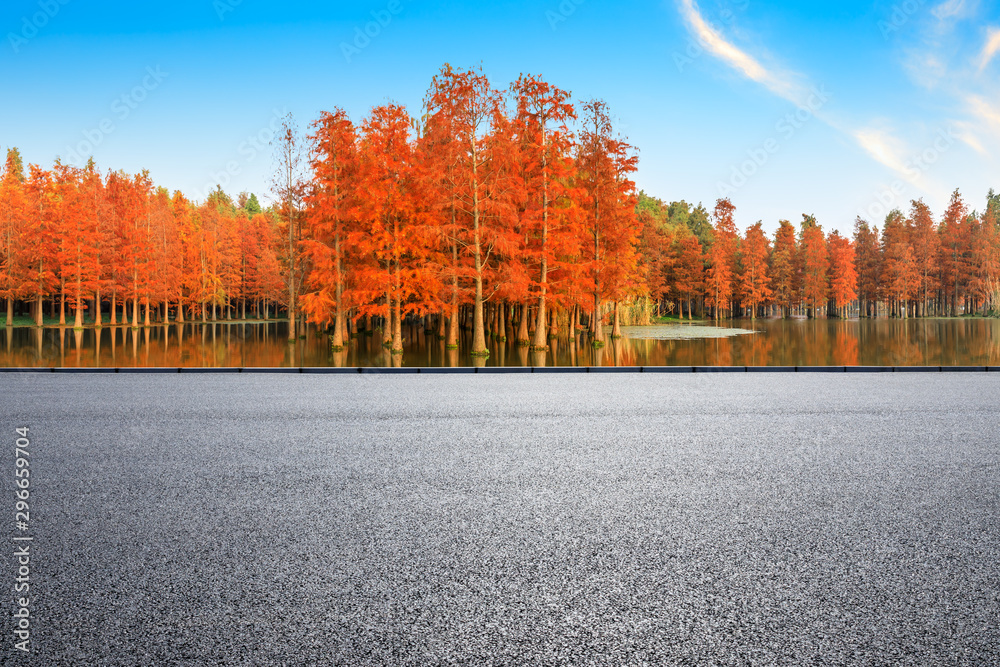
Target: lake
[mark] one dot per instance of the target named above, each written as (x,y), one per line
(795,342)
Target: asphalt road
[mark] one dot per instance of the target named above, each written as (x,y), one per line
(557,520)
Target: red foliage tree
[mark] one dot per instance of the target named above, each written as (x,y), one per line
(755,283)
(330,218)
(477,182)
(784,260)
(815,265)
(869,265)
(722,259)
(610,226)
(952,258)
(548,218)
(843,273)
(12,213)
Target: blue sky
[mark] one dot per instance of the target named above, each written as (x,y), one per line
(832,109)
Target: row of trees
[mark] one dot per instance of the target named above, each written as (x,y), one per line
(508,211)
(914,267)
(919,267)
(116,245)
(694,267)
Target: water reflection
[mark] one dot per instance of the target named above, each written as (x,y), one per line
(932,342)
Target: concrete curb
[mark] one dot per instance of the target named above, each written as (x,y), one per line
(523,370)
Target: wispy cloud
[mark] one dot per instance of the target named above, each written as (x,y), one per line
(883,147)
(967,134)
(950,9)
(984,110)
(949,59)
(991,48)
(877,143)
(737,58)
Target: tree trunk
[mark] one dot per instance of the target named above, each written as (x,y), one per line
(397,328)
(597,326)
(541,329)
(502,323)
(452,343)
(522,328)
(387,322)
(442,332)
(479,348)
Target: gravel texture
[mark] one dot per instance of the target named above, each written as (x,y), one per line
(515,520)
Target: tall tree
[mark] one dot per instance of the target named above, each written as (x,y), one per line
(542,114)
(289,185)
(38,240)
(869,265)
(79,228)
(900,276)
(784,259)
(815,264)
(478,180)
(388,212)
(843,273)
(610,228)
(754,281)
(688,265)
(924,241)
(953,233)
(722,258)
(12,213)
(331,214)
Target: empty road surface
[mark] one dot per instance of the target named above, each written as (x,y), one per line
(790,519)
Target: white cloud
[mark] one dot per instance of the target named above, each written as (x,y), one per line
(990,49)
(967,136)
(884,148)
(949,9)
(737,58)
(925,68)
(984,110)
(879,144)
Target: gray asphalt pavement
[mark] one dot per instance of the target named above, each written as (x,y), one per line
(495,520)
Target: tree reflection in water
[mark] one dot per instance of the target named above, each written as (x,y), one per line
(913,342)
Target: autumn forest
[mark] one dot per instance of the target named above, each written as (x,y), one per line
(499,211)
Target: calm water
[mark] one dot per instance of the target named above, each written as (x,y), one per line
(938,342)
